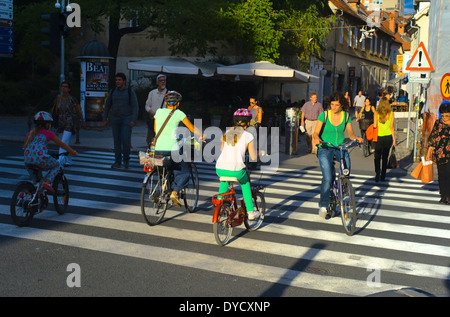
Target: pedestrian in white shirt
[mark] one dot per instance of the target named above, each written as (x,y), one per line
(358,103)
(155,101)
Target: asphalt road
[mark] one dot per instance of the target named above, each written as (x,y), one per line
(103,243)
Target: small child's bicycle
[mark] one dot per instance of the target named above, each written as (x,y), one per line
(29,198)
(227,214)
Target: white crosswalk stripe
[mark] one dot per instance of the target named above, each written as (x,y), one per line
(401,227)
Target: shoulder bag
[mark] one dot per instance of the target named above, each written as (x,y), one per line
(153,141)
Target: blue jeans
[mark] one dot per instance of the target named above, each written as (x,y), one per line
(181,172)
(122,138)
(325,156)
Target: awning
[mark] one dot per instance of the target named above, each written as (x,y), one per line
(267,70)
(175,65)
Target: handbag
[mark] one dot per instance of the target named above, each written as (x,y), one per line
(153,141)
(417,172)
(54,113)
(372,133)
(392,159)
(427,172)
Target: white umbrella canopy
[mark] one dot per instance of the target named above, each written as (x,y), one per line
(174,65)
(267,69)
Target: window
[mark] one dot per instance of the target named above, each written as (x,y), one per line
(356,37)
(350,36)
(371,45)
(363,44)
(375,46)
(381,46)
(341,32)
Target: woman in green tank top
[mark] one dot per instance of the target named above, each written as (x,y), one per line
(384,120)
(334,126)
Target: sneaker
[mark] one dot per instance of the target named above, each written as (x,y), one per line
(323,212)
(115,165)
(252,215)
(175,199)
(49,188)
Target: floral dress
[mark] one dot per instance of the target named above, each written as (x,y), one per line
(36,154)
(440,139)
(66,110)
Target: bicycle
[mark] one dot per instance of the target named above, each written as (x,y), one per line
(29,198)
(366,145)
(157,184)
(367,148)
(227,215)
(342,194)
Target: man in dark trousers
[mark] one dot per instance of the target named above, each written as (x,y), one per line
(122,102)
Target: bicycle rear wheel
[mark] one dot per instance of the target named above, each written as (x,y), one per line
(61,196)
(153,202)
(222,228)
(259,204)
(21,211)
(348,207)
(191,190)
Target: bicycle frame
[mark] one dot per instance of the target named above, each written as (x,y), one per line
(340,184)
(230,196)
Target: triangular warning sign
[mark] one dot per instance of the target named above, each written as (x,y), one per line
(420,61)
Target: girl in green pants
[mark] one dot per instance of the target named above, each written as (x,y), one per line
(236,141)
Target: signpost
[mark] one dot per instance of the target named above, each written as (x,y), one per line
(419,68)
(6,28)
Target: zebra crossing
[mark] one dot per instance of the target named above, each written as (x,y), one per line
(402,238)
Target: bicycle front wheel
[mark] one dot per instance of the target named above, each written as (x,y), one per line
(222,228)
(21,211)
(153,202)
(366,147)
(259,204)
(348,207)
(191,190)
(61,196)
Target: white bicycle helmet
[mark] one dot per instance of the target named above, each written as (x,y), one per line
(43,116)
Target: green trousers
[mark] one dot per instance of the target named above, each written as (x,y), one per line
(243,181)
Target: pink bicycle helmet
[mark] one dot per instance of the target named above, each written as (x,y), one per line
(43,116)
(242,115)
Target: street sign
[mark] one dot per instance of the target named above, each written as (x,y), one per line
(419,77)
(420,61)
(6,31)
(445,86)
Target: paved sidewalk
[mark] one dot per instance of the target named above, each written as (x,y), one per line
(15,129)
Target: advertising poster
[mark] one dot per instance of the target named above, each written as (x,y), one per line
(94,88)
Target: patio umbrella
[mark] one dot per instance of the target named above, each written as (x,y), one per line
(174,65)
(267,69)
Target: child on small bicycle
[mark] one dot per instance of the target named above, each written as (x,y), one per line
(35,146)
(236,141)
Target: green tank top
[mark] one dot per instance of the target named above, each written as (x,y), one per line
(384,129)
(332,133)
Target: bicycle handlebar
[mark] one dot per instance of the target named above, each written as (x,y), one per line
(55,155)
(346,146)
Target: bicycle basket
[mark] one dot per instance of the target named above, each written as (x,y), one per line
(364,124)
(147,159)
